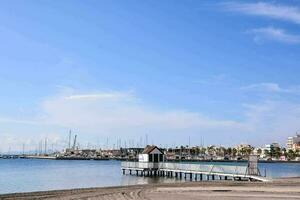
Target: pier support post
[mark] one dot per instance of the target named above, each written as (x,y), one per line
(123,171)
(213,177)
(130,171)
(191,176)
(207,177)
(180,174)
(201,177)
(226,178)
(195,177)
(220,177)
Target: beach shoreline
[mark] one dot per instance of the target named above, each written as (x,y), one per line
(283,188)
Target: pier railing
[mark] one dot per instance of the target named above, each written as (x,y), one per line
(211,169)
(140,165)
(195,168)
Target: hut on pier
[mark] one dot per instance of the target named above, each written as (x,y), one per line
(151,154)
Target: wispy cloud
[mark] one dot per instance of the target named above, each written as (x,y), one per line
(122,113)
(98,96)
(272,87)
(270,10)
(274,34)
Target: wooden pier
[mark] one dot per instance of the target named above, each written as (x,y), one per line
(151,163)
(193,171)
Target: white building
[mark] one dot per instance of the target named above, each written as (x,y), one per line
(151,154)
(293,143)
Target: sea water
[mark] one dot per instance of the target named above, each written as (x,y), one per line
(27,175)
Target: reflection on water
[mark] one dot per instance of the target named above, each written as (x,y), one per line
(21,175)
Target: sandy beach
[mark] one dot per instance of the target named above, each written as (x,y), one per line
(288,188)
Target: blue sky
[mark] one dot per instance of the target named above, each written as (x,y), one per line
(219,72)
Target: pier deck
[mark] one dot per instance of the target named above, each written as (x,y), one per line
(196,171)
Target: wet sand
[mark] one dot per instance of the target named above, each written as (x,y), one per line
(288,188)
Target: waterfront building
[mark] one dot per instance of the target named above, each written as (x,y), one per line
(293,143)
(151,154)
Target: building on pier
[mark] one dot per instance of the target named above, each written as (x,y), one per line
(151,163)
(151,154)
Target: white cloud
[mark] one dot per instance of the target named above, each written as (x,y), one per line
(98,96)
(272,87)
(268,120)
(269,87)
(275,11)
(274,34)
(123,115)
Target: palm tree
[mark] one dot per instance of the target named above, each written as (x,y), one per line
(259,151)
(234,152)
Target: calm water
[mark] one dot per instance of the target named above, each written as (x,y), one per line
(22,175)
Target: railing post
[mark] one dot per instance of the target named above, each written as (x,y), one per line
(265,172)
